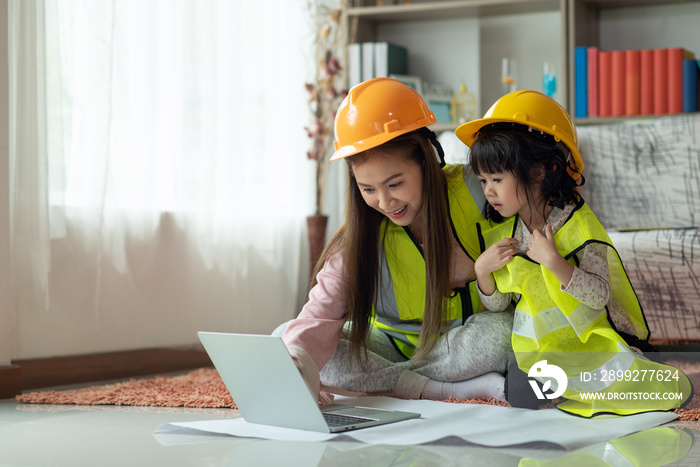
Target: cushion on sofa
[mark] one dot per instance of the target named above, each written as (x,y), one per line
(664,269)
(643,184)
(644,174)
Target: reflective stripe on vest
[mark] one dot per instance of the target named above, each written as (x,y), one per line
(552,319)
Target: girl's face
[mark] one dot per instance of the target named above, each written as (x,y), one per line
(504,194)
(393,185)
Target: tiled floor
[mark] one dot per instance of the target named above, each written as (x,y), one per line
(45,435)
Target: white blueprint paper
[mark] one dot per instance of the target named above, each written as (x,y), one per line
(484,425)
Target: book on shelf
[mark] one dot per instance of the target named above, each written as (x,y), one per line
(377,60)
(646,82)
(690,85)
(390,59)
(676,55)
(632,82)
(604,83)
(592,68)
(660,81)
(617,80)
(367,60)
(635,82)
(354,64)
(581,82)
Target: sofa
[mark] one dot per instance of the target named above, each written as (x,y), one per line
(643,184)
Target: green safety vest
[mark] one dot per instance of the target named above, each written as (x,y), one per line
(400,303)
(551,325)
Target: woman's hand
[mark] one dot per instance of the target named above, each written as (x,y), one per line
(494,258)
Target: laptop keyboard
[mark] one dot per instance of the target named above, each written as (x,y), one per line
(335,420)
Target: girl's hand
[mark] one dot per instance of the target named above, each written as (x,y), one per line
(494,258)
(543,248)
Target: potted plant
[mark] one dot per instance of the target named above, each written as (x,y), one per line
(326,93)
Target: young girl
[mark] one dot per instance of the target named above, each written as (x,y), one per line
(393,308)
(575,306)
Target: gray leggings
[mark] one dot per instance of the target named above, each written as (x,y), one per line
(481,345)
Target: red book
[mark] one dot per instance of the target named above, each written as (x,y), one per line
(617,77)
(604,83)
(646,82)
(660,81)
(592,69)
(632,89)
(676,55)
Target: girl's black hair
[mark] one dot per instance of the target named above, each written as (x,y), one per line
(519,150)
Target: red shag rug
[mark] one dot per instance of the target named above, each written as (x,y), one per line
(198,388)
(202,388)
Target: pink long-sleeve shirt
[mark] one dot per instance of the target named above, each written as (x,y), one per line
(318,327)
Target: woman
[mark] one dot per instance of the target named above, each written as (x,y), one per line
(393,309)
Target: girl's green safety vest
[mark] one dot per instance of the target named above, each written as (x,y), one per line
(603,374)
(400,303)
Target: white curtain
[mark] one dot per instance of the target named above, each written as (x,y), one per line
(159,164)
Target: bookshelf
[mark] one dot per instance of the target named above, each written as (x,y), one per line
(447,9)
(464,40)
(629,25)
(455,41)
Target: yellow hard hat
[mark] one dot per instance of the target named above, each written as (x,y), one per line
(533,109)
(376,111)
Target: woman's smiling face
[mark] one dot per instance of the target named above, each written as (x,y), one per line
(393,185)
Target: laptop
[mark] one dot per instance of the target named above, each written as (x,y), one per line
(269,389)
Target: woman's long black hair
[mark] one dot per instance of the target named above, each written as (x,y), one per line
(359,237)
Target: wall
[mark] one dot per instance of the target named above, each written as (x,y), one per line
(167,296)
(472,49)
(671,25)
(452,65)
(530,39)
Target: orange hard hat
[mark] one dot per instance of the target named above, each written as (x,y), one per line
(376,111)
(532,109)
